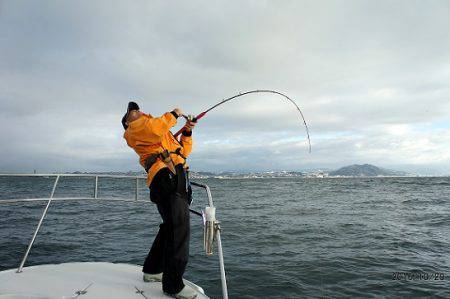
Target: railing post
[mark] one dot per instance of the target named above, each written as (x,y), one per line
(221,264)
(208,192)
(38,227)
(96,187)
(136,191)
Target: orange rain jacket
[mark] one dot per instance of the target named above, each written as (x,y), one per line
(150,135)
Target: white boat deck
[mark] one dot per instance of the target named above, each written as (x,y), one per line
(82,281)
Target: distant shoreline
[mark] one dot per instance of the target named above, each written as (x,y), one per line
(329,177)
(222,177)
(350,171)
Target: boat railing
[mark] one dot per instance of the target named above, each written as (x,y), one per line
(214,231)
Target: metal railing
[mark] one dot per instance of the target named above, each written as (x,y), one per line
(96,176)
(96,197)
(219,240)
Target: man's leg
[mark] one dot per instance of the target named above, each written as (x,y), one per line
(160,190)
(174,209)
(176,216)
(177,243)
(154,263)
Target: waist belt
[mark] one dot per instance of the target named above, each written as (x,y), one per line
(164,156)
(150,161)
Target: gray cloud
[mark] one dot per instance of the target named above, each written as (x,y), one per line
(372,79)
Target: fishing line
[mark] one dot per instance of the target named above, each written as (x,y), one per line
(246,93)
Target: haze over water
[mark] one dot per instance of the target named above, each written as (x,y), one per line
(282,238)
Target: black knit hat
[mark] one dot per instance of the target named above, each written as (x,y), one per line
(131,106)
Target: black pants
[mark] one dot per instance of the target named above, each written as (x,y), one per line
(170,250)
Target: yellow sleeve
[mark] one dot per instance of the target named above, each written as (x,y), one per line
(186,142)
(128,139)
(161,125)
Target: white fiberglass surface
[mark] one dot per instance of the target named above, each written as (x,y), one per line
(80,280)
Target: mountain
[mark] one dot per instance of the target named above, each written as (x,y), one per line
(365,170)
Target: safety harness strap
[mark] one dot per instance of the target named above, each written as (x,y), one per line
(150,161)
(164,156)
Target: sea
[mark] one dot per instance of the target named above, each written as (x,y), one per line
(282,238)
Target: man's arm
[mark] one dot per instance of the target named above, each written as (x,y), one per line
(186,138)
(161,125)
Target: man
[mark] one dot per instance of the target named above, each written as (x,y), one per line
(164,159)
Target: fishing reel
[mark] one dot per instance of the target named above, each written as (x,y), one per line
(211,227)
(190,118)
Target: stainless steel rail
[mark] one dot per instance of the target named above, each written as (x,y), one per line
(38,226)
(74,175)
(49,200)
(219,241)
(96,176)
(9,201)
(96,197)
(208,192)
(96,187)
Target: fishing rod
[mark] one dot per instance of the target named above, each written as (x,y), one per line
(198,117)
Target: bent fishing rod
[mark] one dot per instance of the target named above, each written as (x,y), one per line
(198,117)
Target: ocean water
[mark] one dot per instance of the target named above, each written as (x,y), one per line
(282,238)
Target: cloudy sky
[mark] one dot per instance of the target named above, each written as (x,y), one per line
(372,79)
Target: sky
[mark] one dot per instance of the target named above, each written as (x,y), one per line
(371,77)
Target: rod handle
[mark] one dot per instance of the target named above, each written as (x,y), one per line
(195,119)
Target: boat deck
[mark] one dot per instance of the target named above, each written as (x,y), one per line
(83,281)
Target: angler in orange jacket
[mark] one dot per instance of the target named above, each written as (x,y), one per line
(149,135)
(164,159)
